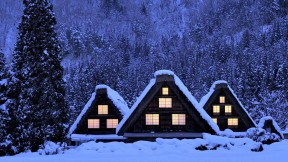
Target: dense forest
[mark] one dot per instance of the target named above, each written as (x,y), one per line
(121,43)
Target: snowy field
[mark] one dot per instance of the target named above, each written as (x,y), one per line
(164,150)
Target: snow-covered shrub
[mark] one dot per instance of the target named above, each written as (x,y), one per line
(51,148)
(269,138)
(218,142)
(6,148)
(202,147)
(260,135)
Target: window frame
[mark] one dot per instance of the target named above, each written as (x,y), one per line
(222,99)
(100,109)
(152,119)
(165,91)
(112,124)
(179,120)
(215,120)
(163,104)
(233,125)
(226,107)
(93,123)
(214,107)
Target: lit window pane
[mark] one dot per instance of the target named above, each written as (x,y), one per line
(165,102)
(215,120)
(102,109)
(233,122)
(216,109)
(222,99)
(112,123)
(178,119)
(152,119)
(165,91)
(228,109)
(93,123)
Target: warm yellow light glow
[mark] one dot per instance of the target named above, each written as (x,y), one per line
(102,109)
(165,91)
(215,120)
(232,121)
(165,102)
(112,123)
(222,99)
(228,109)
(93,123)
(178,119)
(152,119)
(216,109)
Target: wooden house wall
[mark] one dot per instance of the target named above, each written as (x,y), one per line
(222,118)
(165,116)
(92,113)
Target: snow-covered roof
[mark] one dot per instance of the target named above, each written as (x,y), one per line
(89,137)
(114,96)
(117,100)
(205,98)
(163,72)
(269,118)
(135,105)
(185,91)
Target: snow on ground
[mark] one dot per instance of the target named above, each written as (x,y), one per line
(162,150)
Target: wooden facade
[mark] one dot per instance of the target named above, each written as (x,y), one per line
(92,113)
(230,113)
(190,125)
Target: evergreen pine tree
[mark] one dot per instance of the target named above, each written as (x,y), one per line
(3,79)
(37,84)
(3,110)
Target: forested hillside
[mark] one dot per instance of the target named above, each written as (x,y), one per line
(122,42)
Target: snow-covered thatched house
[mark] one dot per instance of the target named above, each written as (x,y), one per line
(166,109)
(223,106)
(270,125)
(99,117)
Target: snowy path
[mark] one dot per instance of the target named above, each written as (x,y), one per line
(276,152)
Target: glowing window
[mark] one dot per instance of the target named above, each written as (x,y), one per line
(152,119)
(215,120)
(93,123)
(228,109)
(165,91)
(216,109)
(222,99)
(102,109)
(232,121)
(165,102)
(178,119)
(112,123)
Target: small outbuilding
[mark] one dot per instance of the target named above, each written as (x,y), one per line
(270,125)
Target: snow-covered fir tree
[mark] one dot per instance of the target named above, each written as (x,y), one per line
(38,102)
(3,111)
(3,79)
